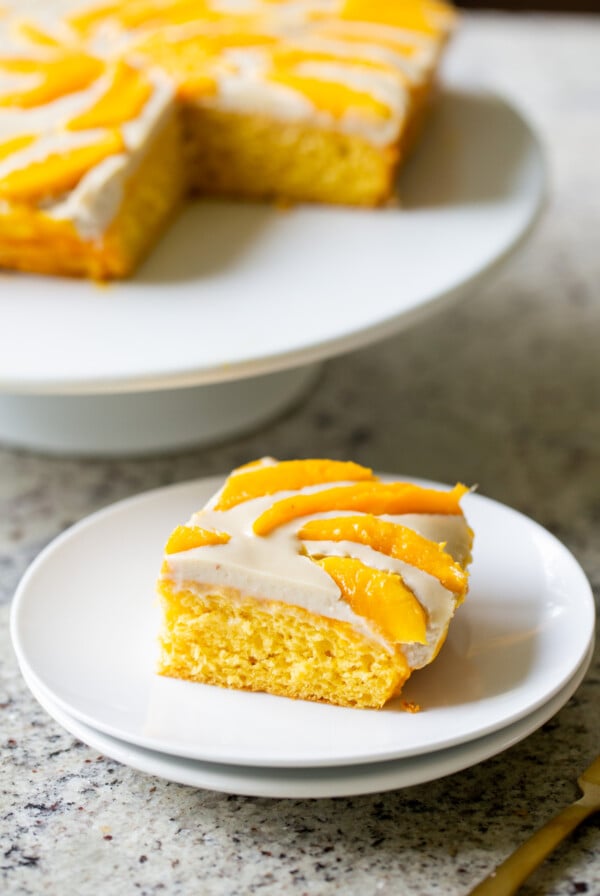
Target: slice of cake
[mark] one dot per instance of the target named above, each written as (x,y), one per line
(313,579)
(90,157)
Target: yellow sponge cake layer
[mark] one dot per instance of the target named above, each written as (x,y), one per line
(313,579)
(225,156)
(152,194)
(272,646)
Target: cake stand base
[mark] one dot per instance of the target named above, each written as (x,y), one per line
(148,422)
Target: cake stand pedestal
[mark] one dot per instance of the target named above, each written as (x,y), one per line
(149,422)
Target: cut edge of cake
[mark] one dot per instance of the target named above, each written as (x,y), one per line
(253,599)
(151,192)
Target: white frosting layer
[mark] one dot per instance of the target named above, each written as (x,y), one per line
(275,567)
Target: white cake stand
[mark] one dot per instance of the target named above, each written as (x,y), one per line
(226,323)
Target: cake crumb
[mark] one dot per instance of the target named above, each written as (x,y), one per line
(409,706)
(283,204)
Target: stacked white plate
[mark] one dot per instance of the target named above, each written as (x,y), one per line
(84,627)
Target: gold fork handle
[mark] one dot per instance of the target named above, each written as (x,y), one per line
(508,877)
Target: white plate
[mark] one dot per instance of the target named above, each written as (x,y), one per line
(84,625)
(238,290)
(312,783)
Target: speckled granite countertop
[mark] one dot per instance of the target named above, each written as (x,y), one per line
(504,391)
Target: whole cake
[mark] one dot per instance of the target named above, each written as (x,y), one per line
(313,579)
(109,115)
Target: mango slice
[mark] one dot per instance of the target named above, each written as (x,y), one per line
(337,31)
(36,35)
(156,15)
(136,14)
(184,538)
(86,20)
(288,58)
(123,101)
(253,482)
(331,96)
(14,144)
(381,597)
(153,13)
(193,62)
(367,497)
(393,540)
(58,77)
(409,15)
(59,171)
(185,62)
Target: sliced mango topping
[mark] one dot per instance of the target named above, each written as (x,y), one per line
(193,62)
(381,597)
(424,16)
(137,13)
(202,46)
(14,144)
(393,540)
(330,96)
(59,171)
(126,96)
(70,72)
(35,35)
(255,482)
(337,31)
(366,497)
(288,58)
(184,538)
(187,63)
(85,21)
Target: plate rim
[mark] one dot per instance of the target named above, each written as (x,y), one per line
(313,351)
(156,494)
(432,766)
